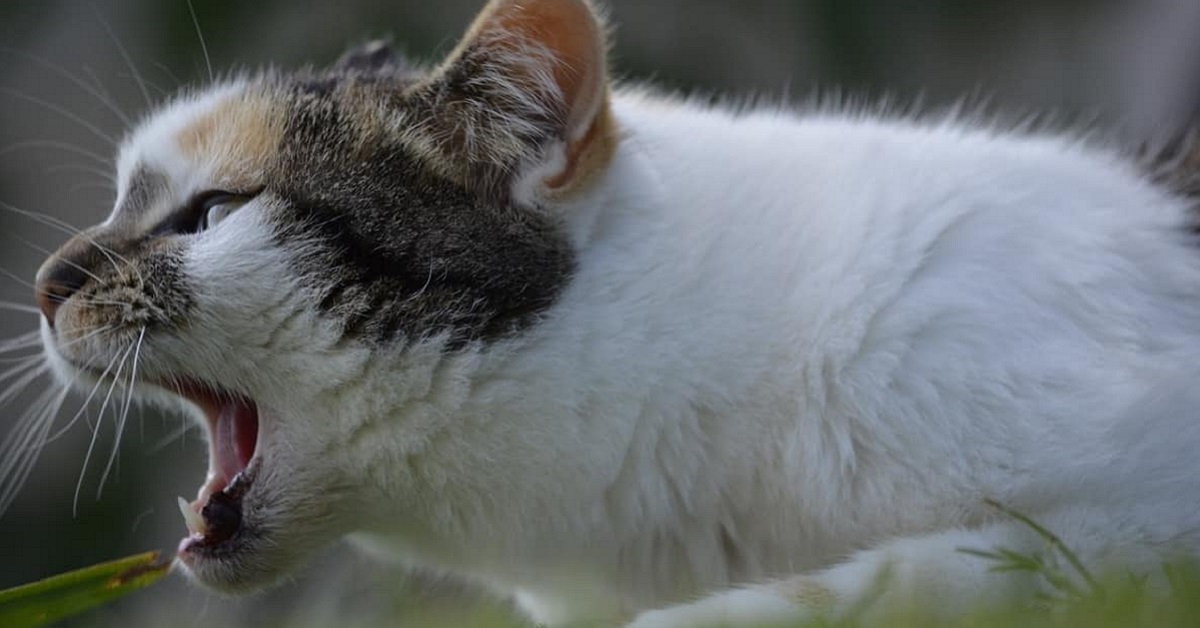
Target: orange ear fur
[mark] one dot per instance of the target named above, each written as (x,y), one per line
(555,49)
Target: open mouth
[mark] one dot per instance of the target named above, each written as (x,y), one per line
(214,519)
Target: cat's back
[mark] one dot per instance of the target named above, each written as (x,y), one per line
(834,217)
(907,281)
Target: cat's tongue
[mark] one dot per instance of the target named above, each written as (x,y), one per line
(234,438)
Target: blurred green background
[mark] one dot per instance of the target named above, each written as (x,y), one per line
(1133,65)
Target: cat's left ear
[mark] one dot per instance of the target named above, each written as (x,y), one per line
(521,108)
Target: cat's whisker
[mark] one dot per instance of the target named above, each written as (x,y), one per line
(20,451)
(17,278)
(72,230)
(168,73)
(18,385)
(64,112)
(19,307)
(22,360)
(103,174)
(24,372)
(96,82)
(18,360)
(156,90)
(87,416)
(120,359)
(100,95)
(25,345)
(45,251)
(123,417)
(14,442)
(82,412)
(27,340)
(32,357)
(56,145)
(45,219)
(48,220)
(174,436)
(28,284)
(95,332)
(81,187)
(86,405)
(94,301)
(200,36)
(137,76)
(15,457)
(40,291)
(20,363)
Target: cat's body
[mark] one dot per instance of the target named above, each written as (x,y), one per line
(612,352)
(783,382)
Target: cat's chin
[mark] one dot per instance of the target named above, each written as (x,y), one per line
(256,518)
(231,545)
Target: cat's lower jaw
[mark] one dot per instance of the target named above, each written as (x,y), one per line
(239,538)
(265,508)
(219,530)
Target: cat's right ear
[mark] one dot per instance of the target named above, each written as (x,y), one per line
(372,57)
(520,108)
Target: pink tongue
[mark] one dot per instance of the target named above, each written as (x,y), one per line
(237,436)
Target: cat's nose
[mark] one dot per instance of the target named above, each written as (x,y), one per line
(56,282)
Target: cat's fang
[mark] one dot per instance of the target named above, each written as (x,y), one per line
(193,520)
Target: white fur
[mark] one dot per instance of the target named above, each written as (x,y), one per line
(790,340)
(793,339)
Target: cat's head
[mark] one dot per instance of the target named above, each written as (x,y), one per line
(290,254)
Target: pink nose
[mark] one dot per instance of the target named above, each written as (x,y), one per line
(56,284)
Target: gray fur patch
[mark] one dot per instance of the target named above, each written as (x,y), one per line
(144,187)
(375,57)
(400,250)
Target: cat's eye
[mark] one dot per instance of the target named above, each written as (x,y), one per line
(217,206)
(204,211)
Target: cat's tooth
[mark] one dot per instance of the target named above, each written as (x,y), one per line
(195,522)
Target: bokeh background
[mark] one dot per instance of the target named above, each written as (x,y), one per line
(1131,66)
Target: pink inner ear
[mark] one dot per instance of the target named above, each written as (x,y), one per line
(570,32)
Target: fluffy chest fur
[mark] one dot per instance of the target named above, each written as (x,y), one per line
(606,351)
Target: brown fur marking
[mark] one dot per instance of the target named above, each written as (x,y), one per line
(239,138)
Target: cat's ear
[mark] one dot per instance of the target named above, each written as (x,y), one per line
(521,106)
(372,57)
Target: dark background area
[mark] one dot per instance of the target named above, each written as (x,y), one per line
(1131,65)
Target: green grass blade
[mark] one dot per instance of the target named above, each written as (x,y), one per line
(57,597)
(1054,542)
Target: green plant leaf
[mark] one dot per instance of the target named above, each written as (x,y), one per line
(57,597)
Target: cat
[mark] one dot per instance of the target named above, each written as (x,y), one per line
(629,358)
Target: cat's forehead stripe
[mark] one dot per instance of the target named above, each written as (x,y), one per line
(144,187)
(237,138)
